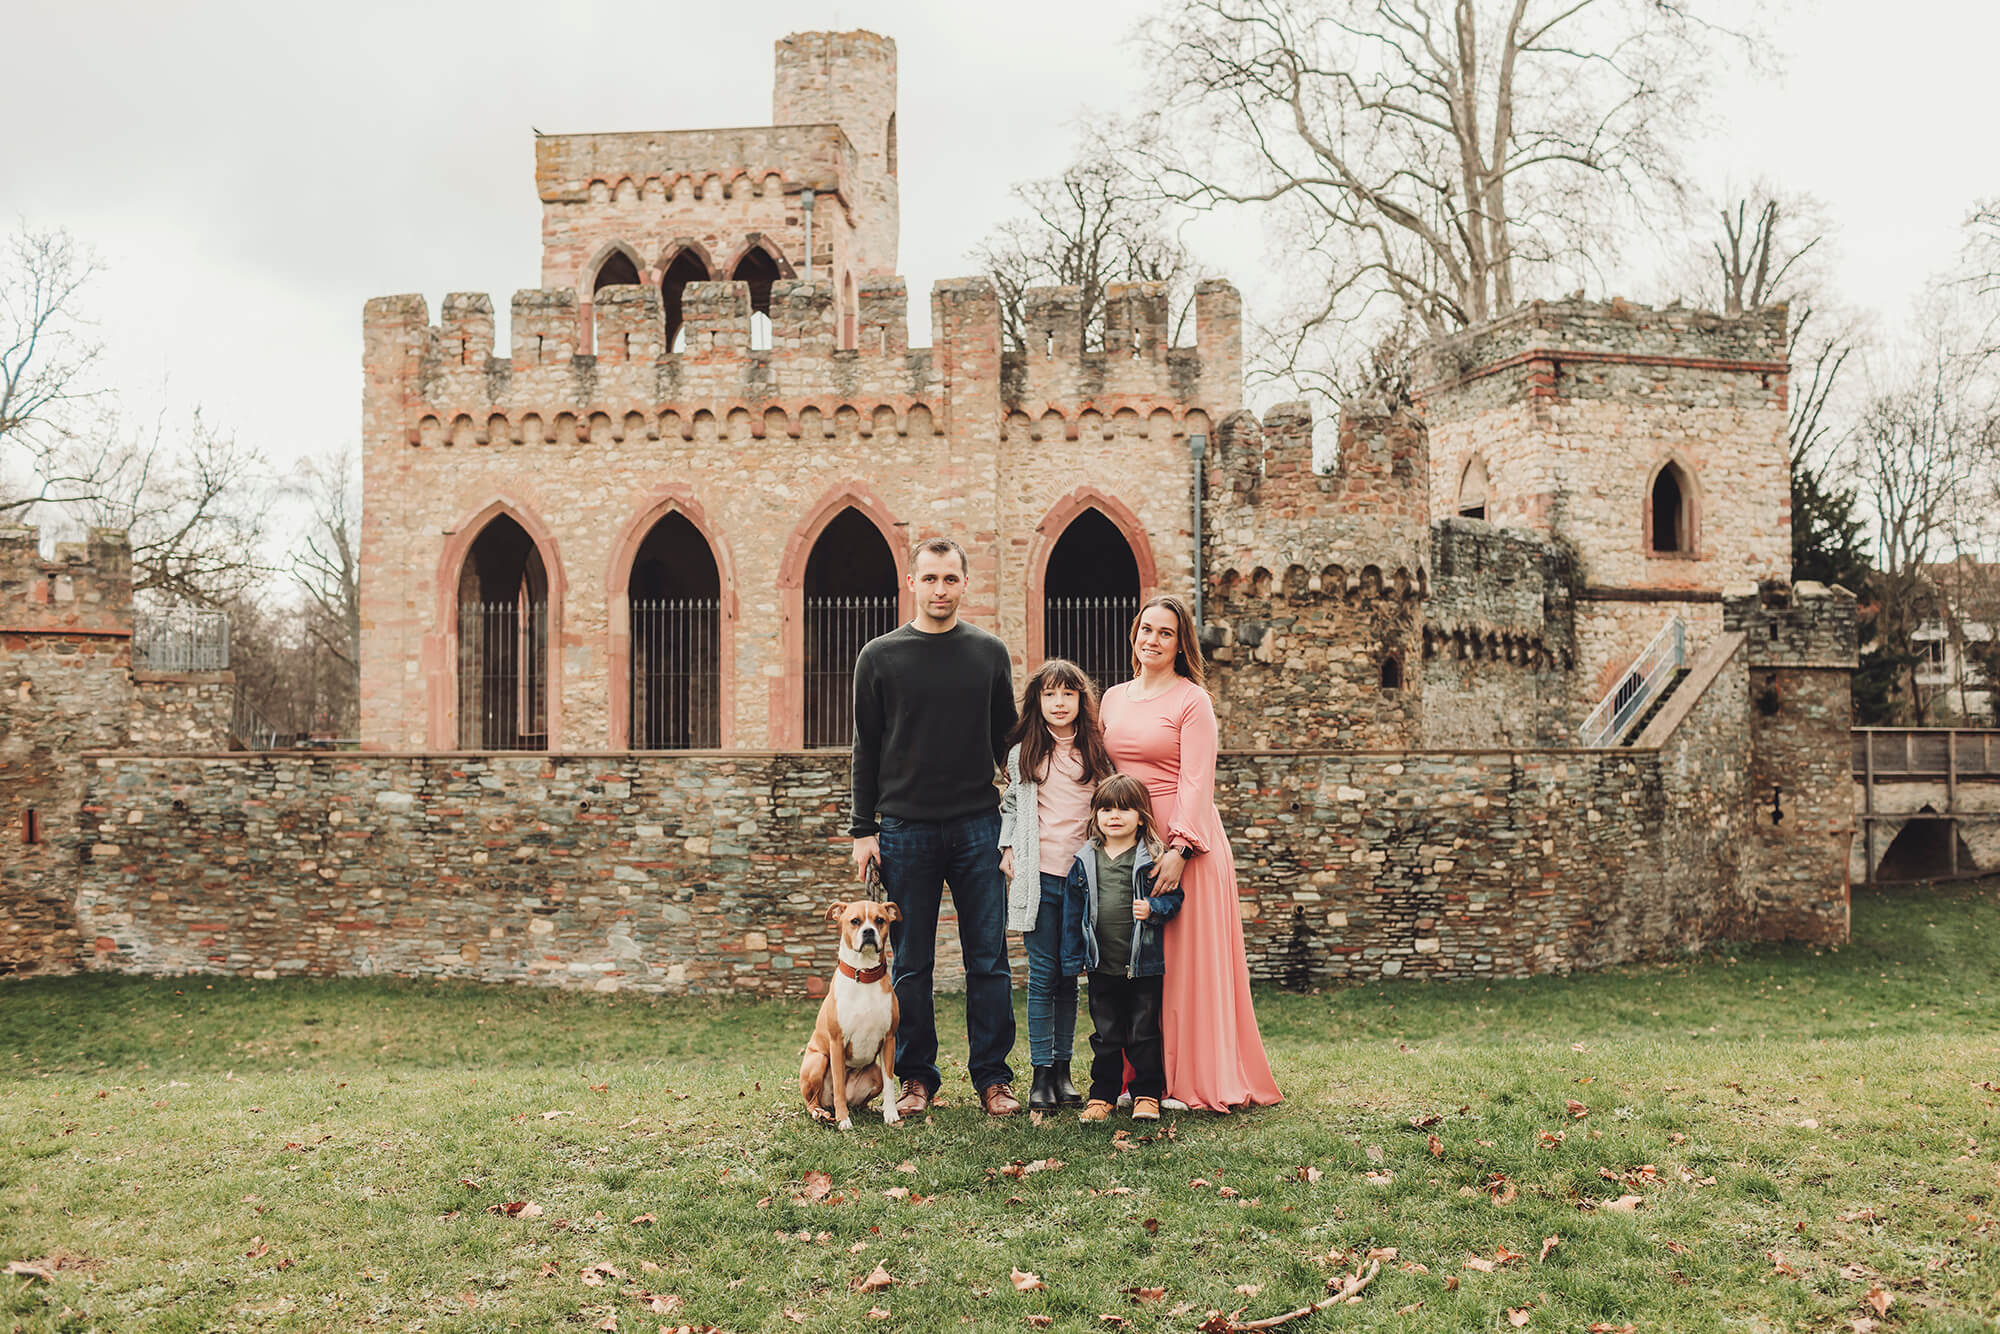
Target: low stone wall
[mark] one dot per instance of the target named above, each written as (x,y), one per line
(709,872)
(182,710)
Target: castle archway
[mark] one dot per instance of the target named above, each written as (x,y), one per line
(759,269)
(674,646)
(1092,569)
(501,629)
(851,595)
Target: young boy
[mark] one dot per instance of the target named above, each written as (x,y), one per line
(1112,926)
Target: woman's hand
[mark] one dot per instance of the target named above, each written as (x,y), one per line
(1167,871)
(1007,864)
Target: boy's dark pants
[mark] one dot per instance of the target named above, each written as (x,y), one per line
(1125,1012)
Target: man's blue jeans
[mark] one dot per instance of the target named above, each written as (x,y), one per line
(1051,996)
(919,858)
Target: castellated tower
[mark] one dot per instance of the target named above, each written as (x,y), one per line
(812,195)
(1647,444)
(849,79)
(1315,587)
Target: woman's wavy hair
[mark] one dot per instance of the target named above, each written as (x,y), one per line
(1031,733)
(1187,648)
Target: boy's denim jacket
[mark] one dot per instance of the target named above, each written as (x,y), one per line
(1079,925)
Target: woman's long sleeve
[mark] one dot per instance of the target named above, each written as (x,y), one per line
(1196,792)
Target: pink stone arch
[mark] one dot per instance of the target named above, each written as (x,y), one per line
(1049,532)
(788,696)
(665,500)
(440,655)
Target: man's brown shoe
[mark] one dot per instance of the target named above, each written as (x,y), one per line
(916,1099)
(999,1100)
(1097,1109)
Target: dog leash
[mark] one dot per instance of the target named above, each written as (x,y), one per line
(873,880)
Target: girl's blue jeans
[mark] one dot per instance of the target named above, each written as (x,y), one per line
(1051,996)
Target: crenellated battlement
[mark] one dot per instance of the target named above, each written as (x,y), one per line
(85,588)
(442,385)
(1806,624)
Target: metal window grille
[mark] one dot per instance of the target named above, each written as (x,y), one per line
(836,628)
(1094,633)
(503,675)
(180,639)
(677,674)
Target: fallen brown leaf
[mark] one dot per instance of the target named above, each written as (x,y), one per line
(516,1209)
(876,1280)
(1026,1282)
(1577,1109)
(814,1187)
(259,1248)
(1039,1321)
(1624,1204)
(1517,1316)
(1548,1244)
(643,1219)
(1436,1147)
(1144,1296)
(1310,1173)
(1248,1289)
(1879,1299)
(877,1313)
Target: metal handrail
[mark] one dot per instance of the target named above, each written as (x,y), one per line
(1644,682)
(180,639)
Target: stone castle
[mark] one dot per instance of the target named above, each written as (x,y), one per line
(646,543)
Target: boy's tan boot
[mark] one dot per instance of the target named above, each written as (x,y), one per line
(1096,1110)
(1145,1109)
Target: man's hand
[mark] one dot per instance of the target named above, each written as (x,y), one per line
(866,850)
(1167,871)
(1007,864)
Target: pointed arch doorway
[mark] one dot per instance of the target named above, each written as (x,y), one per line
(503,641)
(1091,589)
(674,599)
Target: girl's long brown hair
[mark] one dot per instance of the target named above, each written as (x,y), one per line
(1031,733)
(1187,640)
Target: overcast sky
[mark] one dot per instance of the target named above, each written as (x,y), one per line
(251,173)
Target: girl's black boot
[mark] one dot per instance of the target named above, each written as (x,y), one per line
(1065,1092)
(1042,1093)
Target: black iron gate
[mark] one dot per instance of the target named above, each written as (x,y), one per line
(1094,633)
(836,628)
(503,675)
(677,674)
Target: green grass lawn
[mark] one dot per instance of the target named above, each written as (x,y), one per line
(1800,1128)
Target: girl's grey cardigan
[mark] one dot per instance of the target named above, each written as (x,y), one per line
(1020,830)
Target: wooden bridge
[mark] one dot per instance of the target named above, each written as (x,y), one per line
(1928,803)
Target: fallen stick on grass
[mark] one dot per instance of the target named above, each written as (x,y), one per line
(1218,1323)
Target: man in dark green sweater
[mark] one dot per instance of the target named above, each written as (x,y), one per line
(933,705)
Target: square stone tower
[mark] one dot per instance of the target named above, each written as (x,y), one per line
(1650,443)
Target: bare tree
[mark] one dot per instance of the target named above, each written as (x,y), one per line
(46,355)
(195,511)
(1923,455)
(1088,228)
(327,568)
(1441,152)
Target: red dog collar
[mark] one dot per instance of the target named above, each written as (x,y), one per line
(874,974)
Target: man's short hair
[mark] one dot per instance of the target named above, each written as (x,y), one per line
(942,546)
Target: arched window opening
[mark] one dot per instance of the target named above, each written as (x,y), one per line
(1090,593)
(686,268)
(1472,490)
(503,642)
(850,598)
(616,271)
(676,608)
(758,269)
(1392,672)
(1669,517)
(890,149)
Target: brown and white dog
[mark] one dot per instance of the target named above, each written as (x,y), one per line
(852,1055)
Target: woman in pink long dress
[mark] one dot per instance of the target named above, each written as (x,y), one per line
(1160,728)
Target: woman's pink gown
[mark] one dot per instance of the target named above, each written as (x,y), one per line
(1215,1058)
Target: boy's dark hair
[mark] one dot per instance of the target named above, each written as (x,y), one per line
(1122,792)
(1031,731)
(942,546)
